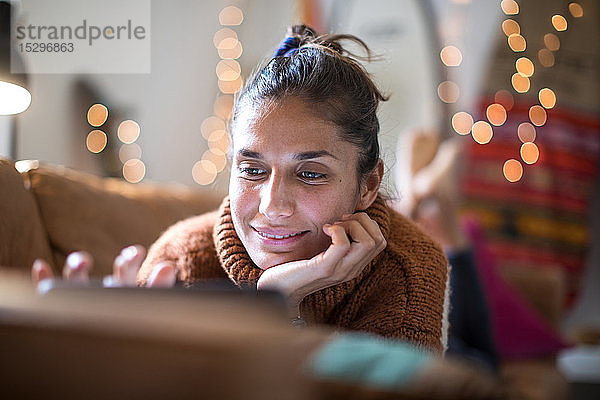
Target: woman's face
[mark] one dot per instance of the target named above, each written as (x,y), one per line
(291,175)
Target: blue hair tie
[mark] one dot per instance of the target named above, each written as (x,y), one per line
(289,46)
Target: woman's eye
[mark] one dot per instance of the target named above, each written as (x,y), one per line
(311,176)
(252,173)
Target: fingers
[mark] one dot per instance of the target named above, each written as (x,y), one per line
(41,270)
(77,267)
(162,276)
(127,264)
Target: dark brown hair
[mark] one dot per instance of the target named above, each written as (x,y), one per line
(327,78)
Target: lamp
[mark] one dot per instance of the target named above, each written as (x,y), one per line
(14,96)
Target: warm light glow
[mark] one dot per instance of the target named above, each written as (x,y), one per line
(482,132)
(513,170)
(231,15)
(520,83)
(496,114)
(547,98)
(510,7)
(218,158)
(529,153)
(231,53)
(505,98)
(537,115)
(559,22)
(223,106)
(97,114)
(14,99)
(451,56)
(96,141)
(204,172)
(576,10)
(222,34)
(546,58)
(517,42)
(511,27)
(551,41)
(134,170)
(526,132)
(524,67)
(129,151)
(230,87)
(219,140)
(462,122)
(211,124)
(448,92)
(128,131)
(228,70)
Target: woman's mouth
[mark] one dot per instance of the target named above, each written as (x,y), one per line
(279,237)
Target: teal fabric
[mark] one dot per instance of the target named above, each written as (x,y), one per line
(370,360)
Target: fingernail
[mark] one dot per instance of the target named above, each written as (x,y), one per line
(129,252)
(37,265)
(75,259)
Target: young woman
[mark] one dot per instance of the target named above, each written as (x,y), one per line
(303,214)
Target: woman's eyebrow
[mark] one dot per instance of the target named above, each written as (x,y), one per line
(313,154)
(250,154)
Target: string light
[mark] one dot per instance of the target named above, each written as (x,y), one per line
(526,132)
(496,114)
(462,122)
(576,10)
(529,153)
(128,131)
(505,98)
(448,92)
(482,132)
(97,115)
(537,115)
(451,56)
(520,83)
(513,170)
(517,43)
(231,15)
(134,170)
(547,98)
(96,141)
(559,22)
(551,41)
(510,7)
(511,27)
(524,67)
(546,58)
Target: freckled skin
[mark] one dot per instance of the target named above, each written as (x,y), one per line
(271,188)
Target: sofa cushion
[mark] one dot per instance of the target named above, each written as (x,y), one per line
(22,234)
(102,215)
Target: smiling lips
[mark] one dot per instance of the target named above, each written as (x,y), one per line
(278,237)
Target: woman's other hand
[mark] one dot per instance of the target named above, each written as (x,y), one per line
(355,240)
(125,267)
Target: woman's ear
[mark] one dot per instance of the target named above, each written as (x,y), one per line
(370,187)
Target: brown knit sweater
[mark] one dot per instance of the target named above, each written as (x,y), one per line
(400,294)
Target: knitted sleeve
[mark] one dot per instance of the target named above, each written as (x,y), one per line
(189,246)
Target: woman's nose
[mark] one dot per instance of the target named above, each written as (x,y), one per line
(276,199)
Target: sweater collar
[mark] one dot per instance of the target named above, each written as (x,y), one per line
(244,273)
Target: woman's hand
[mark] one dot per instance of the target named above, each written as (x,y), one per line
(125,267)
(355,240)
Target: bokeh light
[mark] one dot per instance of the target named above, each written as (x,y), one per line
(223,34)
(511,27)
(559,22)
(448,92)
(482,132)
(228,70)
(547,98)
(505,98)
(231,49)
(537,115)
(546,58)
(520,83)
(219,140)
(222,106)
(97,114)
(576,10)
(517,43)
(496,114)
(211,124)
(510,7)
(551,41)
(526,132)
(134,170)
(96,141)
(231,15)
(451,56)
(231,87)
(462,122)
(513,170)
(524,67)
(204,172)
(128,131)
(529,153)
(129,152)
(218,158)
